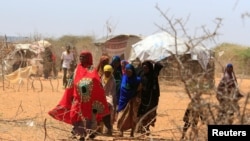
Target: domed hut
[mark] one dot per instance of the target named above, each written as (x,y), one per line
(117,45)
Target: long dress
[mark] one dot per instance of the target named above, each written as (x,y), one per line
(149,94)
(128,101)
(228,96)
(117,73)
(84,97)
(110,92)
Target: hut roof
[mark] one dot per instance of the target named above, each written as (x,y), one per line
(103,40)
(161,45)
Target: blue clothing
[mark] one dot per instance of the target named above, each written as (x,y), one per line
(128,88)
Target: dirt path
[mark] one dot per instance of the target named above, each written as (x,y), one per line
(23,114)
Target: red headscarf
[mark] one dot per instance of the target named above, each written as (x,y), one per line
(89,57)
(104,60)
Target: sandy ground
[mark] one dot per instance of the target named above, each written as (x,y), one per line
(23,113)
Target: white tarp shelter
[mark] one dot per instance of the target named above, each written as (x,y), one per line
(36,47)
(161,45)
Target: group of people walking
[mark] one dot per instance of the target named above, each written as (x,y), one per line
(111,92)
(115,91)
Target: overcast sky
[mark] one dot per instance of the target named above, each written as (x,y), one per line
(55,18)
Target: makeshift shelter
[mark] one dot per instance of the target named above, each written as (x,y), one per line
(21,55)
(162,46)
(117,45)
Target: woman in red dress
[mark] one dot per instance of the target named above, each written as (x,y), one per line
(84,100)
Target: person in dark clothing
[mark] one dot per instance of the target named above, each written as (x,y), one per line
(193,113)
(47,62)
(117,73)
(149,94)
(55,72)
(228,96)
(138,66)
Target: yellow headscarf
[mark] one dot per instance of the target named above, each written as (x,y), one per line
(108,68)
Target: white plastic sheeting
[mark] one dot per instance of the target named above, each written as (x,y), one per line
(36,47)
(202,55)
(161,45)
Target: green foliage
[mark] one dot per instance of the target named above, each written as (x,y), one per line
(245,54)
(232,53)
(230,50)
